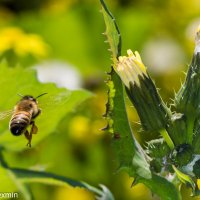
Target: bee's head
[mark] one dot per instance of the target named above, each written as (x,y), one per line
(30,97)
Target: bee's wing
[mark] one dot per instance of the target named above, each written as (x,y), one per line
(5,114)
(52,101)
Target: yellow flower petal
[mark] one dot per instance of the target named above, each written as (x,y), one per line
(130,67)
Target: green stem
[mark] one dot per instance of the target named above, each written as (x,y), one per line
(167,138)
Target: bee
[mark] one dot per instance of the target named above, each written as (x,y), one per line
(27,109)
(24,114)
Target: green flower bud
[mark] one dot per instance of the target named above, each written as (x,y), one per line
(157,148)
(156,165)
(153,113)
(196,136)
(187,100)
(178,128)
(181,155)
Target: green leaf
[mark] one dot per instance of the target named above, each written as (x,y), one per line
(16,180)
(12,184)
(112,31)
(28,176)
(184,178)
(162,187)
(55,105)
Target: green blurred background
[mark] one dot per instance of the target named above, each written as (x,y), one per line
(68,34)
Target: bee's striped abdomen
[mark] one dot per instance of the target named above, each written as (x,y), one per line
(19,122)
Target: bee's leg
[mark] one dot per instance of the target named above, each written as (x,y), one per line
(28,137)
(34,128)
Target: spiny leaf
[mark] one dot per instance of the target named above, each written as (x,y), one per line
(124,142)
(160,186)
(112,32)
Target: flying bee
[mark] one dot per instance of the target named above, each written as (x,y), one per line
(27,109)
(24,114)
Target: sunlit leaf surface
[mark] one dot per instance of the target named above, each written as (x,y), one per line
(55,105)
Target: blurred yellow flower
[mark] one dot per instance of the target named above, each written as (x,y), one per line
(85,130)
(79,128)
(15,39)
(76,193)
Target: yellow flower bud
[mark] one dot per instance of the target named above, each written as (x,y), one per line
(130,67)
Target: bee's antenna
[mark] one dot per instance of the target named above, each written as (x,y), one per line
(20,95)
(41,95)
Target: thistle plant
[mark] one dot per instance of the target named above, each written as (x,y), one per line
(174,158)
